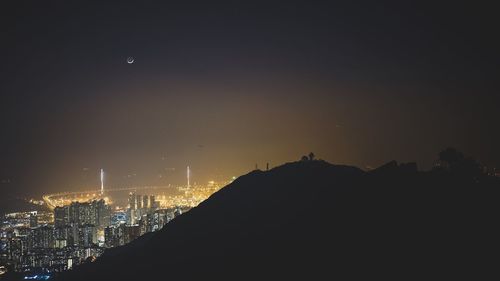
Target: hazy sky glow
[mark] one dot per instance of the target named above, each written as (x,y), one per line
(224,86)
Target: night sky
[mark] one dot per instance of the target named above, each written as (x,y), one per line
(223,86)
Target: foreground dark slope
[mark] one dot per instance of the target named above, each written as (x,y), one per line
(312,219)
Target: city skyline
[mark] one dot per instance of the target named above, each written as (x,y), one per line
(74,228)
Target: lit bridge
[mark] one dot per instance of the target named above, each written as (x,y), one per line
(51,199)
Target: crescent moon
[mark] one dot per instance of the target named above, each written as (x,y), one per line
(130,60)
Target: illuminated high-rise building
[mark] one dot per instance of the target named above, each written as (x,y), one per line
(102,213)
(131,232)
(114,236)
(131,214)
(17,246)
(87,235)
(61,216)
(132,203)
(152,200)
(138,200)
(42,238)
(96,213)
(33,219)
(64,233)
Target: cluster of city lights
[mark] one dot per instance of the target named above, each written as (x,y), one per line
(37,277)
(80,225)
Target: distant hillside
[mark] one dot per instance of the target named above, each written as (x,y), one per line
(10,205)
(312,220)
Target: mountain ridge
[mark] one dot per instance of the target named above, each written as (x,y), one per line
(306,219)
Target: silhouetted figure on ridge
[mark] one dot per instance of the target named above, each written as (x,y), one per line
(311,156)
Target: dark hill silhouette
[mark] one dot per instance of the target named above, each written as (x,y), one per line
(313,220)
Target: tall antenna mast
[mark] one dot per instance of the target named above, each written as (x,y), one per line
(102,181)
